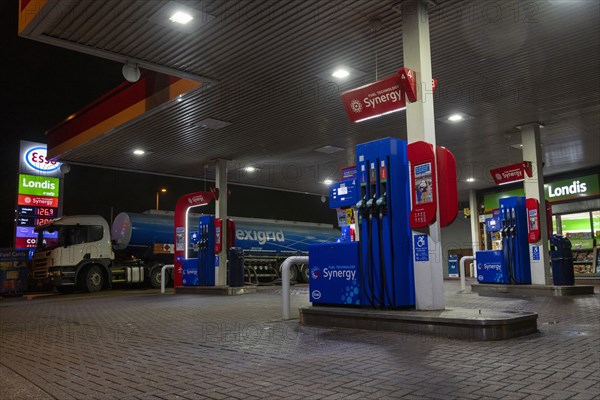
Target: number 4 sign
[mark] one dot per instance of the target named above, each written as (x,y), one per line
(408,81)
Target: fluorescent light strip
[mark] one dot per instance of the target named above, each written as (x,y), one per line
(380,115)
(508,183)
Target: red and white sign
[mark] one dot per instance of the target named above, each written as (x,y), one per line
(42,201)
(382,97)
(409,84)
(511,173)
(25,243)
(375,99)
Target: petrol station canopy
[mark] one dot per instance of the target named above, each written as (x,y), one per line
(251,82)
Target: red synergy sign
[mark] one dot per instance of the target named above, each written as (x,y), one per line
(378,98)
(382,97)
(511,173)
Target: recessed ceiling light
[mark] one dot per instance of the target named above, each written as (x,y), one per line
(454,118)
(181,18)
(329,149)
(139,152)
(340,73)
(328,181)
(470,179)
(212,123)
(250,169)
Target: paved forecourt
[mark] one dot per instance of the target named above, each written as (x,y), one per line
(142,345)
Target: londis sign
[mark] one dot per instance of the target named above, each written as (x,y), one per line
(584,186)
(34,160)
(38,185)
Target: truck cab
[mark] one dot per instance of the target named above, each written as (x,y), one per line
(73,252)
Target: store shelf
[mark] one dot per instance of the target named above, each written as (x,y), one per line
(583,262)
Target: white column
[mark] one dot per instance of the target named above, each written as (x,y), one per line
(534,188)
(420,121)
(221,212)
(474,221)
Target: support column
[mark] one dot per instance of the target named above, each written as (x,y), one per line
(420,121)
(221,212)
(475,237)
(534,188)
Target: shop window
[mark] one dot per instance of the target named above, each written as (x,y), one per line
(577,227)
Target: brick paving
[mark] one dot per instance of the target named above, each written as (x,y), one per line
(138,345)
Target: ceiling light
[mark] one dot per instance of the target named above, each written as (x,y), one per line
(454,118)
(250,169)
(329,149)
(340,73)
(139,152)
(470,179)
(181,18)
(212,123)
(328,181)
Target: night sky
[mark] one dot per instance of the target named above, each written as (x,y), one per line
(42,85)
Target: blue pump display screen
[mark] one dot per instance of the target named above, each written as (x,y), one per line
(343,194)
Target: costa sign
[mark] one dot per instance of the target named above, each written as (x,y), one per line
(511,173)
(34,160)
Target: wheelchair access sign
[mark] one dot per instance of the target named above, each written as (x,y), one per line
(421,247)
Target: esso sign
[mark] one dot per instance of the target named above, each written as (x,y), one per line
(36,158)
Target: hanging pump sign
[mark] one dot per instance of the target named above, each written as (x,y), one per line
(382,97)
(375,99)
(511,173)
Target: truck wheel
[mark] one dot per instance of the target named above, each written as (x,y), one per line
(93,279)
(155,276)
(303,273)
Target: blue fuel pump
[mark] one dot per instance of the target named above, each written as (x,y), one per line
(384,260)
(511,264)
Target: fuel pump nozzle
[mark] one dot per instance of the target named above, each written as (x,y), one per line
(513,223)
(381,203)
(504,229)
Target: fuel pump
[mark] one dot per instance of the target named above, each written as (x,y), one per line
(511,263)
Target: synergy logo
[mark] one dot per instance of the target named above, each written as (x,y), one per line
(37,159)
(315,273)
(487,266)
(356,106)
(340,273)
(392,94)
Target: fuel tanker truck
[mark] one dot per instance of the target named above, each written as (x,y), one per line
(80,252)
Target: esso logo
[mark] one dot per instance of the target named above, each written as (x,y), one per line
(36,158)
(316,294)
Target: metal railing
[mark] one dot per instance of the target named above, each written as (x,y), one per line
(285,281)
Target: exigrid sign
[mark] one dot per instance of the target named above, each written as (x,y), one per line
(38,185)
